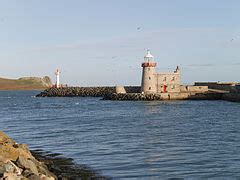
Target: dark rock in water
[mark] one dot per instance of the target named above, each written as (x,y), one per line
(65,168)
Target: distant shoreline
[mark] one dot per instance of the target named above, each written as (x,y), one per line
(25,83)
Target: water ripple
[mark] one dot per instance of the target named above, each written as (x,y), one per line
(137,140)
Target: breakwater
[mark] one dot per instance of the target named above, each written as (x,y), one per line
(234,97)
(133,94)
(84,91)
(162,96)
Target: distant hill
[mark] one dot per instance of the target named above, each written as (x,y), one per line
(25,83)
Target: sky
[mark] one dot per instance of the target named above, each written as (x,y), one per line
(103,42)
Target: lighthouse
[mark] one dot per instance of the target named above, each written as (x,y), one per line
(149,79)
(57,73)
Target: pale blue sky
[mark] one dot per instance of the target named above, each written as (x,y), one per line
(97,42)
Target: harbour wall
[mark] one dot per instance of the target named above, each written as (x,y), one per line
(133,93)
(230,86)
(193,89)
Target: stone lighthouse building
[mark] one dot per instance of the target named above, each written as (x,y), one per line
(149,80)
(153,82)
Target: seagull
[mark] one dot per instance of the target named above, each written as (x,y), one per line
(232,40)
(138,28)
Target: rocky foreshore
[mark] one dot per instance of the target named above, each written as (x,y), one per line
(17,162)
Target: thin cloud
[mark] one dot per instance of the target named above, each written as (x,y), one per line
(202,65)
(236,64)
(213,64)
(128,41)
(59,48)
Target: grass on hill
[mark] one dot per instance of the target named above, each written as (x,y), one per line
(25,83)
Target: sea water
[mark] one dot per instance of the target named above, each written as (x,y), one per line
(138,140)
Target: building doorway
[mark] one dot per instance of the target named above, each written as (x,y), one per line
(165,88)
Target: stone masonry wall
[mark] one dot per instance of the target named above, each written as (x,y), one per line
(171,80)
(194,88)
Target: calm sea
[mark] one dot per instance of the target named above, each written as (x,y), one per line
(139,140)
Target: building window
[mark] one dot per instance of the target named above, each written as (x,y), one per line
(173,79)
(165,79)
(149,88)
(149,78)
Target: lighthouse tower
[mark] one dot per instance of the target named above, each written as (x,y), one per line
(57,73)
(149,81)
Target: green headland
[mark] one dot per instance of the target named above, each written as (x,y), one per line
(25,83)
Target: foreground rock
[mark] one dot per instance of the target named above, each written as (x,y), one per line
(17,162)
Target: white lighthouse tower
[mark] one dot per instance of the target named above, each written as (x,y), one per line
(57,73)
(149,84)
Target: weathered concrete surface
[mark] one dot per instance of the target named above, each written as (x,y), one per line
(196,89)
(17,162)
(229,86)
(120,90)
